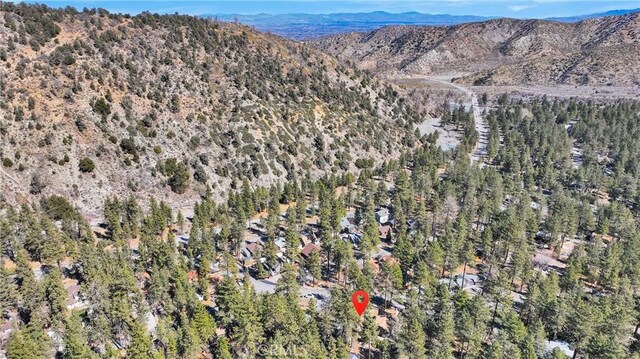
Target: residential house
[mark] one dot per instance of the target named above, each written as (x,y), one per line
(308,249)
(73,297)
(382,215)
(455,105)
(281,244)
(251,249)
(348,223)
(384,230)
(353,238)
(305,240)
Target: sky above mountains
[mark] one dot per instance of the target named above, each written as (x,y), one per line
(498,8)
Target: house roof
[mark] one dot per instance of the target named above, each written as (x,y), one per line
(305,240)
(248,262)
(192,275)
(384,230)
(382,212)
(281,243)
(306,251)
(253,247)
(73,292)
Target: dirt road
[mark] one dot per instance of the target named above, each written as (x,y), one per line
(480,149)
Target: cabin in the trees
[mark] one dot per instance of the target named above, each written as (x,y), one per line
(382,215)
(308,249)
(73,300)
(281,244)
(251,249)
(348,223)
(384,230)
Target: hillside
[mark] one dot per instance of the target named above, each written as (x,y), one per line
(599,51)
(94,104)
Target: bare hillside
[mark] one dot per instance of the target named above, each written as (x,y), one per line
(601,51)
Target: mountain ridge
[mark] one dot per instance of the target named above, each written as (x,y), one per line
(501,51)
(304,26)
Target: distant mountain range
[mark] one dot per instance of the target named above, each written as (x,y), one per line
(600,51)
(299,26)
(307,26)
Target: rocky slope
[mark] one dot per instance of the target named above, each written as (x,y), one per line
(599,51)
(94,104)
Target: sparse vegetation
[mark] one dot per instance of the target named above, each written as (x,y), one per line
(86,165)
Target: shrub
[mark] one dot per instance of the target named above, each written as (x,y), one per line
(128,146)
(200,175)
(362,163)
(58,208)
(64,160)
(62,55)
(179,181)
(80,125)
(101,107)
(6,162)
(86,165)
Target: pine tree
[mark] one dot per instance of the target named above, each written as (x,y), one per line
(75,340)
(36,340)
(412,338)
(18,346)
(369,332)
(292,238)
(405,252)
(249,333)
(180,222)
(203,323)
(140,345)
(53,246)
(580,328)
(228,301)
(390,278)
(443,324)
(382,194)
(28,287)
(7,292)
(222,349)
(189,343)
(605,346)
(55,294)
(314,266)
(557,353)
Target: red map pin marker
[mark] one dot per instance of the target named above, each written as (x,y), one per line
(359,305)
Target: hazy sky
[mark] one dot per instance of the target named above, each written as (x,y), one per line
(520,9)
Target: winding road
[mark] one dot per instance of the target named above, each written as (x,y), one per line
(480,149)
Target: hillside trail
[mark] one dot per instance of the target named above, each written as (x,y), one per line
(480,149)
(8,184)
(4,175)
